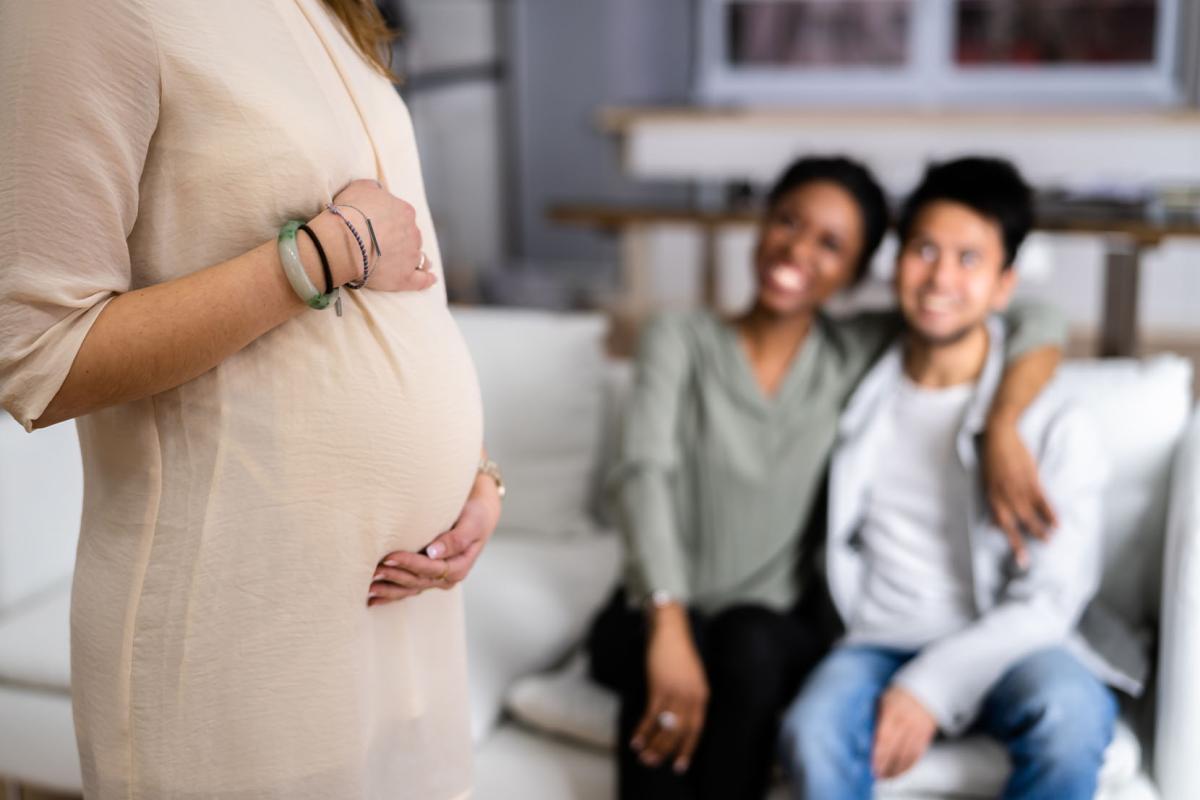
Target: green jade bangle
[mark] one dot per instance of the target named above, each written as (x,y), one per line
(293,268)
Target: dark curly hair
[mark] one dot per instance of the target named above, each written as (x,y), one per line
(851,176)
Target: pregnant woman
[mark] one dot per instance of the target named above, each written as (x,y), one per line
(254,464)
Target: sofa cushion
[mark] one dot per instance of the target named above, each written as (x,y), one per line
(528,602)
(977,766)
(1140,409)
(541,375)
(41,496)
(519,763)
(35,641)
(567,705)
(37,740)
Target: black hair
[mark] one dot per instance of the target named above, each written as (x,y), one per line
(857,181)
(992,187)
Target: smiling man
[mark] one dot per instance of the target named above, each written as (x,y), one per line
(944,630)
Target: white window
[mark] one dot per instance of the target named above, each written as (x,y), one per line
(939,52)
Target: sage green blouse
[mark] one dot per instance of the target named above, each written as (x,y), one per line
(715,480)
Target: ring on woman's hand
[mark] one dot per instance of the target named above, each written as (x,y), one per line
(423,264)
(445,574)
(667,720)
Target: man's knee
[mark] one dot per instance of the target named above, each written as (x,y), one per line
(825,745)
(812,730)
(1056,710)
(832,718)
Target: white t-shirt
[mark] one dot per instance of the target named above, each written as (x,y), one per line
(917,583)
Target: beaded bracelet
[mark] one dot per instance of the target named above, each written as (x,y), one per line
(362,248)
(293,268)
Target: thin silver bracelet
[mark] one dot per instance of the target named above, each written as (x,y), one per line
(370,228)
(362,248)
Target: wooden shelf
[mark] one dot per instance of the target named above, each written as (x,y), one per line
(619,119)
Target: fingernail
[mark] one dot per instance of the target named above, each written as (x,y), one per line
(637,745)
(391,563)
(378,576)
(434,551)
(372,596)
(681,767)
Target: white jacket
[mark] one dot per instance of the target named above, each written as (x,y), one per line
(1016,612)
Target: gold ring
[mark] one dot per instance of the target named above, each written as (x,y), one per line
(445,574)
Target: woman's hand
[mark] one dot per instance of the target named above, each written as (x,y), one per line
(677,693)
(1014,492)
(448,559)
(401,266)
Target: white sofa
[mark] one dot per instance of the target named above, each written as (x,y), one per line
(542,730)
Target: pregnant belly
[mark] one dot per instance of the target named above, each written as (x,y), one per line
(364,431)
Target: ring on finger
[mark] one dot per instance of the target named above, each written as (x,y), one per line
(667,720)
(445,574)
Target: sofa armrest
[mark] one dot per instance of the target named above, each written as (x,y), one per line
(1177,728)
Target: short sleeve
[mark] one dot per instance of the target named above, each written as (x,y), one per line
(79,88)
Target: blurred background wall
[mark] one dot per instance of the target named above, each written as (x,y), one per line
(522,106)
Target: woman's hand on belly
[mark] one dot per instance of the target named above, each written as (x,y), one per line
(400,265)
(447,560)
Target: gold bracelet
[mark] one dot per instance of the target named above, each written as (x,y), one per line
(490,468)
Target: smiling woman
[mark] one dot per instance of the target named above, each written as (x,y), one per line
(825,218)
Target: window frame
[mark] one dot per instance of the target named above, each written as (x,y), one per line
(932,77)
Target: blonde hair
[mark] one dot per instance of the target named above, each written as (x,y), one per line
(370,33)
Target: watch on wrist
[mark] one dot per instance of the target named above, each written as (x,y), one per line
(490,468)
(659,598)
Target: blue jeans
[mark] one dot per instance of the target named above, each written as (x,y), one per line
(1054,717)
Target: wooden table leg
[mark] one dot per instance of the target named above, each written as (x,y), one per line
(709,279)
(636,295)
(1122,271)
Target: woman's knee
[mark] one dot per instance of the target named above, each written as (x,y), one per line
(749,648)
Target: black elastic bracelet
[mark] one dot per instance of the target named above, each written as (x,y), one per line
(321,254)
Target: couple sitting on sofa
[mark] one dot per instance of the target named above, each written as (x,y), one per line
(945,616)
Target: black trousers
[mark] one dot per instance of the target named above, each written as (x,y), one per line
(755,660)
